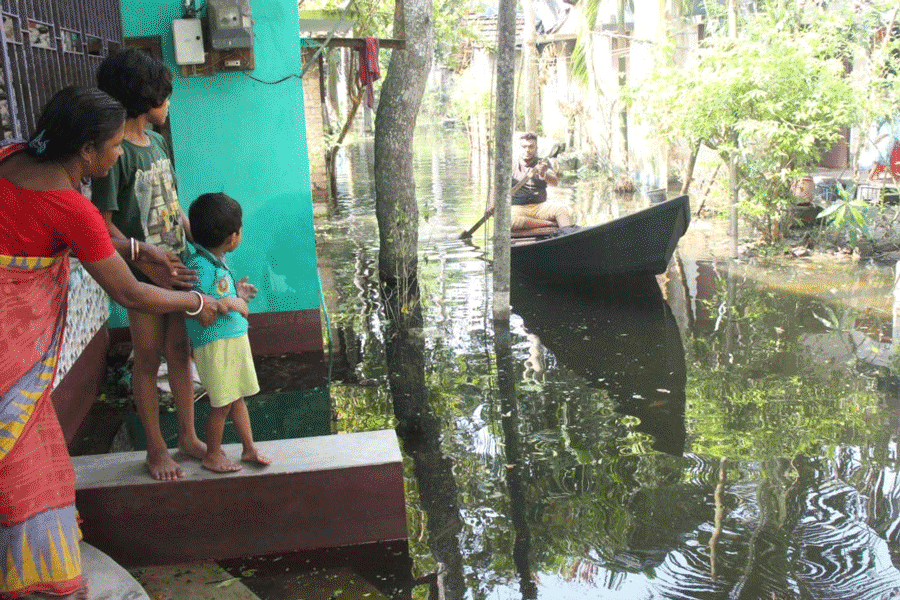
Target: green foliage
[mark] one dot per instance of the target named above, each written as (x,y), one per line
(850,215)
(580,61)
(376,18)
(776,97)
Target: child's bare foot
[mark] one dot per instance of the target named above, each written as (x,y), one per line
(162,467)
(192,447)
(252,455)
(218,462)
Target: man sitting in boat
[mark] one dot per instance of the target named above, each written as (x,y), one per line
(532,213)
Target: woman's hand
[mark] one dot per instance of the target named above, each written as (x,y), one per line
(246,291)
(212,308)
(164,268)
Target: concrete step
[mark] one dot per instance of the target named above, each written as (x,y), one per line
(209,581)
(105,579)
(320,492)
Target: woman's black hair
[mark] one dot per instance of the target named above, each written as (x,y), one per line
(135,78)
(75,116)
(213,218)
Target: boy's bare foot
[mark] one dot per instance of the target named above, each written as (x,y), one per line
(162,467)
(192,447)
(252,455)
(218,462)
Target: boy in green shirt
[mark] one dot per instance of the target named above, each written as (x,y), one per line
(139,202)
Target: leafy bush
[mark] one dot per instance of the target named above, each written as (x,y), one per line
(776,97)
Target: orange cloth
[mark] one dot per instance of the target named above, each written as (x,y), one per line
(39,531)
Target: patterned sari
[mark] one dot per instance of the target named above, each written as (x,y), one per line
(39,531)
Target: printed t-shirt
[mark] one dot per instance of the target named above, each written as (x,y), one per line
(42,223)
(140,192)
(214,279)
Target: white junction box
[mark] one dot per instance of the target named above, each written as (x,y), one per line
(188,36)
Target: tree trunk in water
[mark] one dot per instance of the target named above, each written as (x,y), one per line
(506,42)
(529,83)
(395,122)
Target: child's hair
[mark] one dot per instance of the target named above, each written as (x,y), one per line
(213,218)
(75,116)
(138,80)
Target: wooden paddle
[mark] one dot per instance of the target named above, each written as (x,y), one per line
(489,212)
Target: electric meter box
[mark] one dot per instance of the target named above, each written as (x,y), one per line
(230,24)
(188,37)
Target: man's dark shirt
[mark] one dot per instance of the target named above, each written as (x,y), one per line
(535,189)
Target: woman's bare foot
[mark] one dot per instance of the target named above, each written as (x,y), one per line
(252,455)
(192,447)
(79,594)
(218,462)
(162,467)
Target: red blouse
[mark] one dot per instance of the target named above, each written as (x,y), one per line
(42,223)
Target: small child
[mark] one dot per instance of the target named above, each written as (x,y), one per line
(222,350)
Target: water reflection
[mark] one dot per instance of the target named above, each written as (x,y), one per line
(619,335)
(515,462)
(420,433)
(686,441)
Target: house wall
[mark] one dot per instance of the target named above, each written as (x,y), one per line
(248,139)
(648,160)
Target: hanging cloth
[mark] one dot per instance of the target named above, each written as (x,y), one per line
(369,71)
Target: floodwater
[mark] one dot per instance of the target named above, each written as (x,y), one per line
(726,430)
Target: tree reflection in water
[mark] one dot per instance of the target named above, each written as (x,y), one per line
(420,432)
(744,467)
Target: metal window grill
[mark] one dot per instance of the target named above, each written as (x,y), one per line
(48,45)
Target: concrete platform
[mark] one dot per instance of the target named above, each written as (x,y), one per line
(320,492)
(106,580)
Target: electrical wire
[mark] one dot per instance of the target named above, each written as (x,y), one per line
(285,78)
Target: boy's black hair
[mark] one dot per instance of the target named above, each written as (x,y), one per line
(138,80)
(213,218)
(75,116)
(528,135)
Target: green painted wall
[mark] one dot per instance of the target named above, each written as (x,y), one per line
(247,139)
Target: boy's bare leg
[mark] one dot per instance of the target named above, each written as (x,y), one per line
(215,458)
(241,419)
(148,335)
(177,351)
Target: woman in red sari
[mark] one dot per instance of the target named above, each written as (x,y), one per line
(42,220)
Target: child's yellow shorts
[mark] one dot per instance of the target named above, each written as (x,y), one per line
(226,370)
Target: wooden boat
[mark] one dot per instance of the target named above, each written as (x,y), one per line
(642,242)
